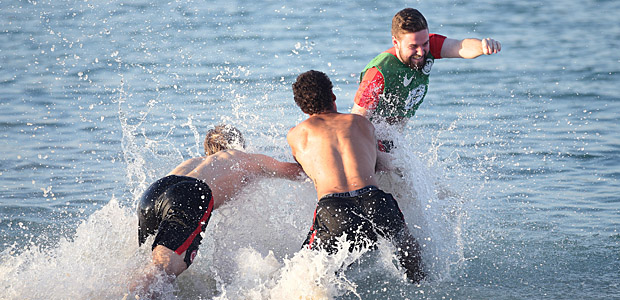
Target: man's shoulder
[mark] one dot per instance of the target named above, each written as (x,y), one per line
(385,55)
(312,121)
(351,117)
(184,168)
(295,130)
(390,51)
(321,121)
(356,121)
(227,154)
(222,155)
(361,119)
(193,161)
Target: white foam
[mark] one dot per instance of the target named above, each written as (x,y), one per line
(95,263)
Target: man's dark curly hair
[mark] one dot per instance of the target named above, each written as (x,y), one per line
(408,20)
(313,92)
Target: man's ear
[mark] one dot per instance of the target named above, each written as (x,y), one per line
(333,96)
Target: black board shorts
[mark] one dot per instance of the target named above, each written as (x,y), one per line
(364,215)
(177,209)
(361,214)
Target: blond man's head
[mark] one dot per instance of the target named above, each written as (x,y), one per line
(223,137)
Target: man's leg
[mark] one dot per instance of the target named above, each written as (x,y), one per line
(185,209)
(168,261)
(165,263)
(409,255)
(389,222)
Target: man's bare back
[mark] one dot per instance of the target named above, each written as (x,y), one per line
(228,171)
(338,151)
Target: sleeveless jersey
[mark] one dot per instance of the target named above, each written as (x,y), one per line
(405,88)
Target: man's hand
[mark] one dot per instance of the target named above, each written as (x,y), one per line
(490,46)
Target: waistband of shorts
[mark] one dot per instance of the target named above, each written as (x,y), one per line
(184,178)
(350,194)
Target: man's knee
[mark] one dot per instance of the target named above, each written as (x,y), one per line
(168,260)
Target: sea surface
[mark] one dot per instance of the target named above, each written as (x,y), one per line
(511,165)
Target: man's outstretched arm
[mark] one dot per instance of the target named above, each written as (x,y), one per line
(276,168)
(469,48)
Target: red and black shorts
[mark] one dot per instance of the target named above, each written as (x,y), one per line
(362,214)
(176,209)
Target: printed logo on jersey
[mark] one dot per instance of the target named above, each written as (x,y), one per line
(428,66)
(415,96)
(407,81)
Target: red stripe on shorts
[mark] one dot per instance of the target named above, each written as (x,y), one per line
(197,231)
(311,239)
(312,229)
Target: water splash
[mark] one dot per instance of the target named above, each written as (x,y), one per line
(94,263)
(252,245)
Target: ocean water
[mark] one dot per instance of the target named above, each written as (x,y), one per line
(511,164)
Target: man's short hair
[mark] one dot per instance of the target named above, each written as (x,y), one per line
(408,20)
(313,92)
(223,137)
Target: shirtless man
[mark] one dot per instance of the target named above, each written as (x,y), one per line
(339,153)
(177,207)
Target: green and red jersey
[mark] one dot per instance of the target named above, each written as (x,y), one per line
(393,89)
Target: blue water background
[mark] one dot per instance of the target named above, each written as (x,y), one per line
(535,129)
